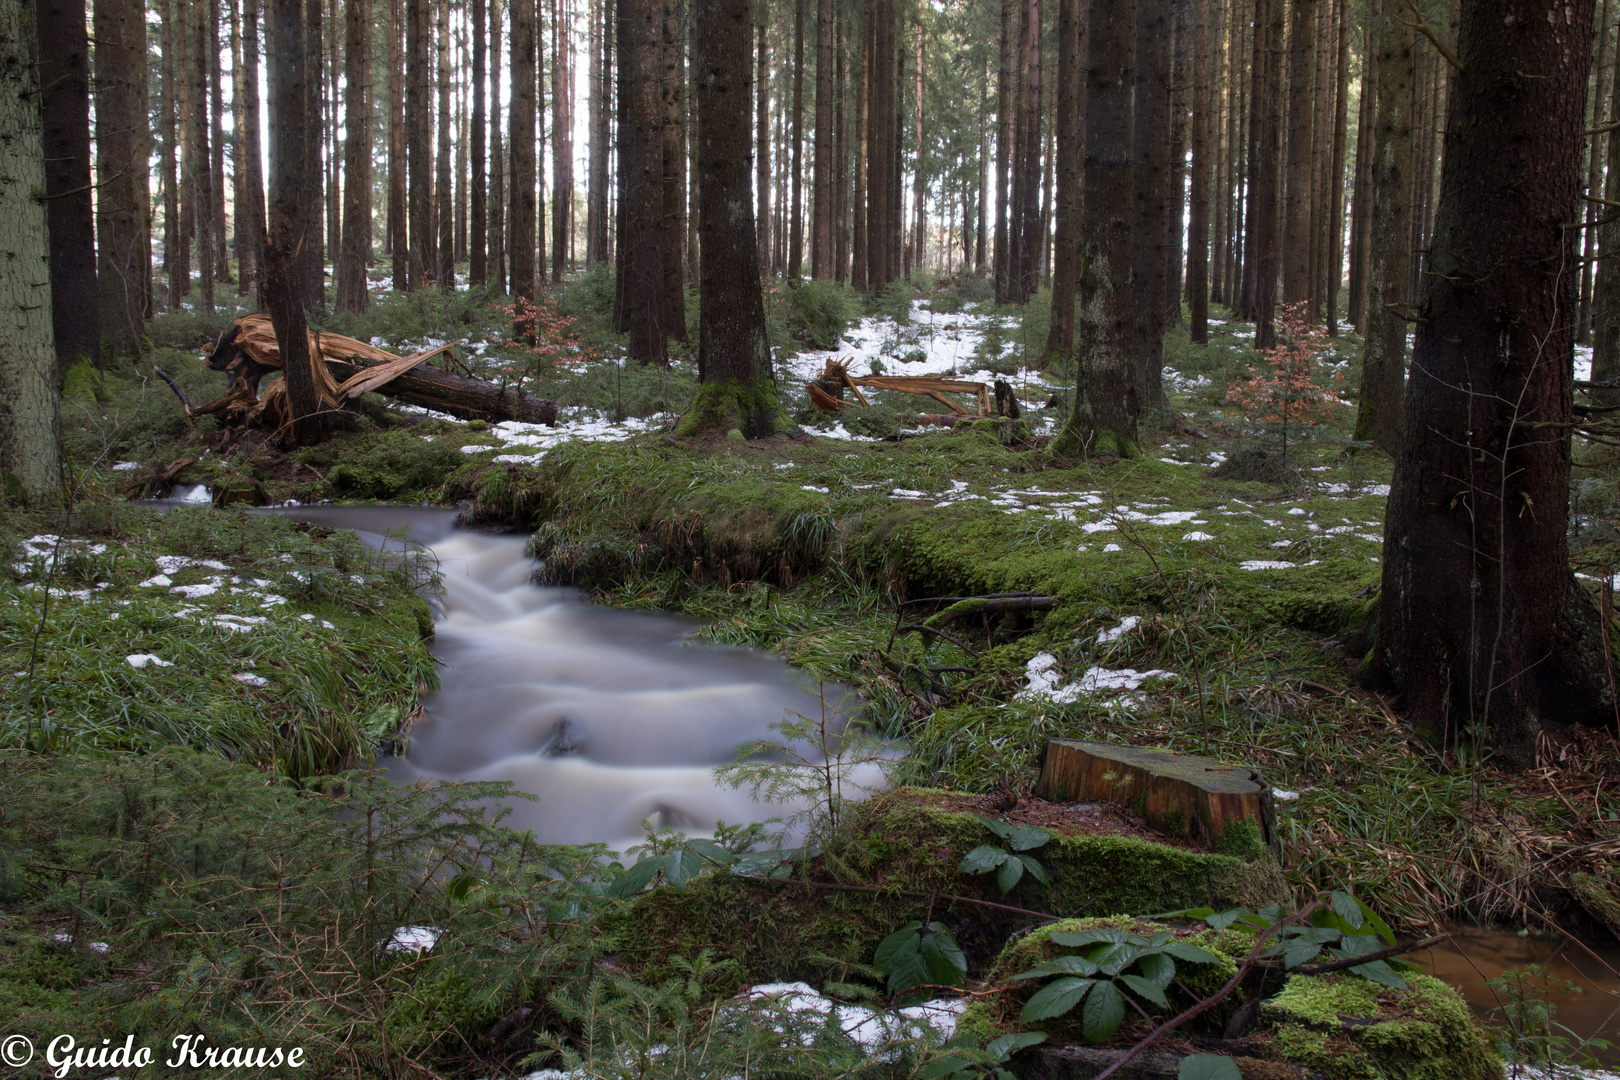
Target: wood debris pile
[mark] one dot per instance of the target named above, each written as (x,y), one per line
(827,392)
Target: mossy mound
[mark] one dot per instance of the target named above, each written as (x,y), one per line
(904,857)
(1352,1029)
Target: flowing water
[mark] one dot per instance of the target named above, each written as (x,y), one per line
(615,717)
(609,717)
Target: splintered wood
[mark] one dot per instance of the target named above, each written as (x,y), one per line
(1178,794)
(837,373)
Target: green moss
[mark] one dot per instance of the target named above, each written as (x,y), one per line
(1241,839)
(751,409)
(1354,1029)
(907,847)
(84,383)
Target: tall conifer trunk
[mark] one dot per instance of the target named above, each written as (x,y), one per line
(522,198)
(1205,117)
(1070,126)
(352,294)
(64,104)
(1150,178)
(124,210)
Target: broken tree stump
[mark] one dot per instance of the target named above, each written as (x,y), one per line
(1178,794)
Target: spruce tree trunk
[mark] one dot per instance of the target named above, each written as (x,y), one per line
(641,133)
(738,394)
(1175,192)
(446,217)
(562,146)
(203,178)
(252,158)
(478,238)
(123,210)
(1205,117)
(1296,226)
(862,189)
(523,199)
(1031,237)
(497,162)
(796,228)
(1482,626)
(419,141)
(1341,114)
(821,183)
(1606,289)
(30,455)
(1103,420)
(1383,358)
(216,109)
(1150,174)
(313,225)
(398,91)
(880,149)
(176,263)
(673,222)
(762,151)
(1361,196)
(1004,136)
(1268,258)
(596,228)
(1070,141)
(352,294)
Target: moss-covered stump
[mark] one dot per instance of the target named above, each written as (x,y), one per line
(901,862)
(1351,1029)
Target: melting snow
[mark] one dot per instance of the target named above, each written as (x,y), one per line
(140,660)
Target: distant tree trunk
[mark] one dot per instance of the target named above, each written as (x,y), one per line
(840,180)
(881,181)
(313,248)
(419,141)
(239,197)
(562,146)
(30,456)
(497,165)
(123,209)
(1361,190)
(523,200)
(1383,358)
(176,263)
(1205,117)
(1102,422)
(859,257)
(356,236)
(1004,135)
(919,170)
(478,239)
(1268,231)
(1220,151)
(821,198)
(673,92)
(398,91)
(1606,289)
(1030,235)
(1071,51)
(445,252)
(762,150)
(1150,176)
(253,169)
(1020,135)
(1482,627)
(596,206)
(462,168)
(216,110)
(1296,228)
(289,78)
(1341,112)
(796,226)
(202,178)
(641,133)
(1598,117)
(1175,191)
(734,359)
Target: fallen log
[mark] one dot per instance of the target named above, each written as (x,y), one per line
(247,351)
(1179,794)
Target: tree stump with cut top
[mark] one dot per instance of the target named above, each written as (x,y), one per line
(1180,795)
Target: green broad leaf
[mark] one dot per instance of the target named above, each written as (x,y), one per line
(1088,937)
(1222,919)
(1184,913)
(1000,828)
(636,878)
(1063,965)
(950,1063)
(1027,838)
(1358,944)
(460,886)
(1208,1067)
(1381,973)
(982,860)
(1300,951)
(712,851)
(942,959)
(1157,968)
(1385,934)
(1008,875)
(1036,870)
(897,947)
(1056,998)
(1191,953)
(1147,988)
(682,866)
(781,873)
(1003,1047)
(1348,909)
(1271,913)
(1116,958)
(1103,1012)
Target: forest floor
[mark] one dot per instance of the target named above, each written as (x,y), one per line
(1211,596)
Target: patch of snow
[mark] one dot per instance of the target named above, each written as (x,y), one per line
(1197,537)
(1264,564)
(1279,793)
(126,466)
(812,487)
(1111,547)
(1125,626)
(1103,679)
(475,449)
(140,660)
(413,939)
(194,592)
(247,678)
(192,493)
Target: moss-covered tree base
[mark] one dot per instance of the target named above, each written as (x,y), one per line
(1074,444)
(739,409)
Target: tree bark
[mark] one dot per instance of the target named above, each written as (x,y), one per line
(216,109)
(497,164)
(562,147)
(641,138)
(1205,117)
(1102,422)
(1176,190)
(738,392)
(30,456)
(202,177)
(821,199)
(523,199)
(176,266)
(1606,289)
(1361,197)
(863,124)
(1031,237)
(796,226)
(478,209)
(352,293)
(672,86)
(1004,135)
(1150,169)
(398,149)
(1383,358)
(419,141)
(1070,142)
(123,208)
(445,252)
(1482,627)
(1341,114)
(1268,258)
(1296,245)
(312,249)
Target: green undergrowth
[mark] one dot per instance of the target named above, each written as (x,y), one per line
(277,645)
(898,860)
